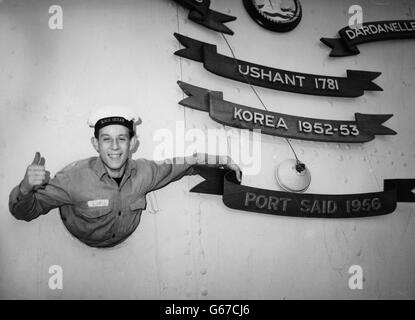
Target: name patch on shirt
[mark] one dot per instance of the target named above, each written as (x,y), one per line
(98,203)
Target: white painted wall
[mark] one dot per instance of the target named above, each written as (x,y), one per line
(194,247)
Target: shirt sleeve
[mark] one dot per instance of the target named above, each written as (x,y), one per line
(160,174)
(40,201)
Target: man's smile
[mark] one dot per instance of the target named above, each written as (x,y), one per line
(115,156)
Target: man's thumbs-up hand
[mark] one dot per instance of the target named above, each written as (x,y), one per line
(36,175)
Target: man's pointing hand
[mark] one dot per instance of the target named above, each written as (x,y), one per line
(221,161)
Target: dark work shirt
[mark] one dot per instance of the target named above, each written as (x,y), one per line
(92,206)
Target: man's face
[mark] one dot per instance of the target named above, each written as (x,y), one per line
(114,146)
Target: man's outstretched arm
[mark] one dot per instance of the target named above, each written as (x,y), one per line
(37,194)
(174,169)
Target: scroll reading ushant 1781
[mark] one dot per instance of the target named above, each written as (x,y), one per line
(353,85)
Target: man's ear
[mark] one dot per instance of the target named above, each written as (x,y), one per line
(94,142)
(134,143)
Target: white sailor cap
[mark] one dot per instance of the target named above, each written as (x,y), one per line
(112,112)
(108,115)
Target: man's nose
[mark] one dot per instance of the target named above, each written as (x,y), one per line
(114,144)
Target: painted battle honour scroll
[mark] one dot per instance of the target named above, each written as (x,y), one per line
(362,129)
(245,198)
(354,85)
(346,45)
(200,13)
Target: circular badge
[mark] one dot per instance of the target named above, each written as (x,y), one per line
(275,15)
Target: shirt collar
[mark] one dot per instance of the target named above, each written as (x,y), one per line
(100,170)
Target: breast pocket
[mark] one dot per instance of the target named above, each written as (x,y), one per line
(92,212)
